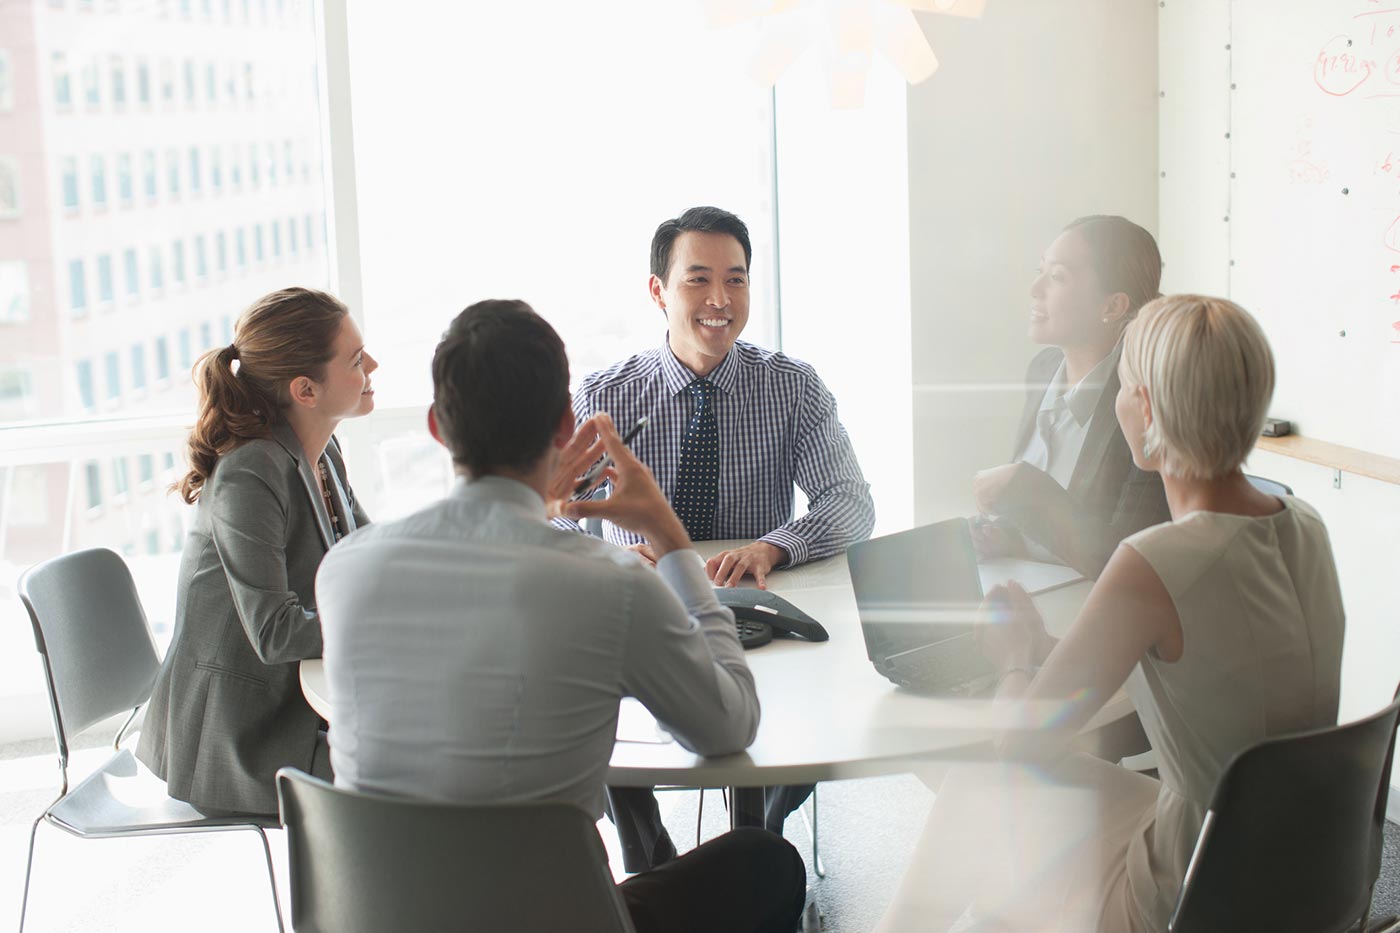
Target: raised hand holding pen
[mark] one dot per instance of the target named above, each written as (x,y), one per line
(584,447)
(636,502)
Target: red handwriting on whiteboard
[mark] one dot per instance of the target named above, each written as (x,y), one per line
(1338,70)
(1392,236)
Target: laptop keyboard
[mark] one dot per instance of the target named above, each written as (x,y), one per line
(945,672)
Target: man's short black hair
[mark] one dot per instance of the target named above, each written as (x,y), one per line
(500,386)
(698,220)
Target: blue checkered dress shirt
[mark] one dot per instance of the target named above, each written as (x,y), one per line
(777,427)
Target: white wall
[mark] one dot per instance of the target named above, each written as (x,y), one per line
(1040,113)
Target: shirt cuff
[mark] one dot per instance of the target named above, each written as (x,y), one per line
(792,545)
(684,572)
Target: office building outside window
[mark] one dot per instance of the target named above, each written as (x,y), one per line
(118,83)
(177,263)
(125,188)
(162,359)
(9,187)
(133,278)
(149,173)
(114,376)
(14,291)
(105,290)
(70,183)
(83,372)
(62,84)
(157,270)
(94,485)
(99,181)
(77,286)
(138,367)
(120,484)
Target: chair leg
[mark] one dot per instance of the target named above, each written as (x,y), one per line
(28,871)
(271,878)
(811,825)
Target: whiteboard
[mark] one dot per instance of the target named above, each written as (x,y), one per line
(1314,213)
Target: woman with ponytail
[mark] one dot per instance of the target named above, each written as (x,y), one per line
(1072,492)
(266,474)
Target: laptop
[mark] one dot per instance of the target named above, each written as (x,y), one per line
(917,593)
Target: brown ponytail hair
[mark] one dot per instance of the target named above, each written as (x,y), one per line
(1126,258)
(283,335)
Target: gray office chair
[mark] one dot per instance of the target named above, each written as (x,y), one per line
(365,863)
(99,661)
(1292,840)
(1269,486)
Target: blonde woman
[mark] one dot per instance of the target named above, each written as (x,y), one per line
(1225,624)
(273,496)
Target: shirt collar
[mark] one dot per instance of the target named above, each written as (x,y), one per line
(1083,397)
(678,375)
(500,490)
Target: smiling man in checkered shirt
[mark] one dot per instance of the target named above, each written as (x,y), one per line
(732,429)
(776,421)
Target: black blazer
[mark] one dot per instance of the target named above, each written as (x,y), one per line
(1108,497)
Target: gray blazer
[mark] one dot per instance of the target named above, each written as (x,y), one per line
(227,709)
(1109,498)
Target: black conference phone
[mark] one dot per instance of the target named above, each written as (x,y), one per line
(759,614)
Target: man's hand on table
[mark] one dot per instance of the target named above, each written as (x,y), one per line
(727,568)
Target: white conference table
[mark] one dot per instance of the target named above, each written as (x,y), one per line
(826,713)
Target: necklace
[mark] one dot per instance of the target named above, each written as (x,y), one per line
(336,533)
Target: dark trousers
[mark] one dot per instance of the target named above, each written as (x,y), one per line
(746,881)
(647,844)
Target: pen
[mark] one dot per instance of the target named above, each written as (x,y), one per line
(586,483)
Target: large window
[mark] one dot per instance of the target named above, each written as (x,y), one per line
(94,343)
(542,167)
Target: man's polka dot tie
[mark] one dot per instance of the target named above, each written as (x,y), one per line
(697,478)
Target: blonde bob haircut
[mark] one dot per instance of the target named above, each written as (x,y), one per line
(1209,374)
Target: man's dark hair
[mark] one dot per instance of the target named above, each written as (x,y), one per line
(698,220)
(500,386)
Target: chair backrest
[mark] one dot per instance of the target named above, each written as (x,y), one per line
(1270,486)
(1292,840)
(367,862)
(99,658)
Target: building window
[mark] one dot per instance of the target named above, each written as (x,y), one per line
(17,394)
(226,325)
(253,169)
(177,262)
(310,244)
(189,82)
(271,164)
(143,83)
(70,184)
(119,480)
(77,286)
(172,168)
(167,81)
(104,279)
(118,83)
(85,396)
(92,83)
(201,260)
(9,187)
(157,270)
(242,249)
(221,252)
(125,189)
(94,485)
(235,171)
(231,82)
(276,239)
(211,84)
(162,359)
(216,169)
(206,336)
(248,80)
(145,469)
(292,235)
(138,366)
(7,82)
(14,291)
(186,351)
(114,376)
(195,174)
(99,181)
(287,158)
(257,243)
(148,171)
(62,84)
(133,278)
